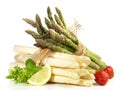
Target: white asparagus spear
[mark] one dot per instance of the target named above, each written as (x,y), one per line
(85,74)
(83,60)
(13,64)
(66,80)
(65,72)
(73,73)
(22,57)
(56,62)
(88,77)
(25,49)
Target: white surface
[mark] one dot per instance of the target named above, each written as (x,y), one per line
(100,20)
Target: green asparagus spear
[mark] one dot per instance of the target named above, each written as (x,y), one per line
(61,38)
(99,62)
(29,21)
(61,16)
(46,44)
(40,24)
(59,22)
(91,70)
(65,32)
(49,13)
(96,60)
(92,53)
(33,34)
(61,45)
(48,23)
(94,65)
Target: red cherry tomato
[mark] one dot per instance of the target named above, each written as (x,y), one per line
(110,71)
(101,77)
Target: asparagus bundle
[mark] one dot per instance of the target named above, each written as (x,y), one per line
(58,38)
(52,58)
(70,69)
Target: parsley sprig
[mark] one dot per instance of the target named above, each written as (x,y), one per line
(21,75)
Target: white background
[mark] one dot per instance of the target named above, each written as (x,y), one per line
(100,20)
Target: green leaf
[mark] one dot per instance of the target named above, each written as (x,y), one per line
(30,63)
(31,66)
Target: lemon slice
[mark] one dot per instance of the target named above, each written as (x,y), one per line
(41,77)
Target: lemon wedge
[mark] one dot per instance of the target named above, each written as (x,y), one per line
(41,77)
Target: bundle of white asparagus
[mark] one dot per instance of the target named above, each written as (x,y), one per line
(66,68)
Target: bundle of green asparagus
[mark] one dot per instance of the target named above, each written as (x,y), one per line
(58,37)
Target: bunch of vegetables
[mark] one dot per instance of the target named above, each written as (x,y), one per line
(57,37)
